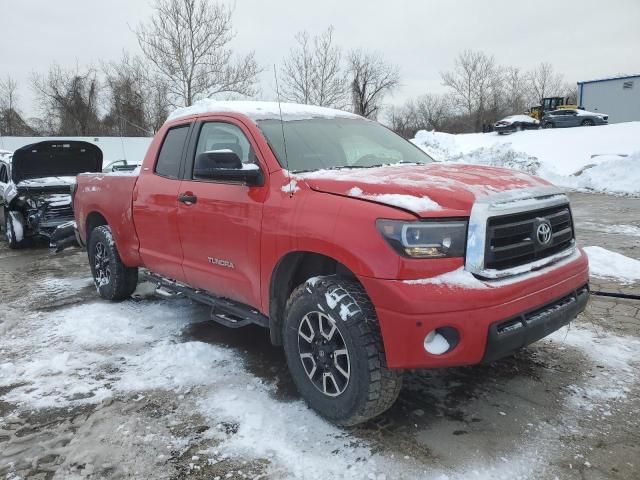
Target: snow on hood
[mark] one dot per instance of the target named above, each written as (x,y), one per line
(519,118)
(48,182)
(587,113)
(432,190)
(260,110)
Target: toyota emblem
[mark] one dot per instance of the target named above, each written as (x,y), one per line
(544,233)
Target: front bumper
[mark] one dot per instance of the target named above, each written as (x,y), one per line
(504,128)
(63,236)
(507,336)
(407,312)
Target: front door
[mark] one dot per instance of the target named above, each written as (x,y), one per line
(155,207)
(220,227)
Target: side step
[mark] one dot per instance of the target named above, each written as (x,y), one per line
(223,311)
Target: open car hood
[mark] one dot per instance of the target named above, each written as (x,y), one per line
(55,158)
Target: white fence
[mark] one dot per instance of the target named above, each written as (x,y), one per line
(132,149)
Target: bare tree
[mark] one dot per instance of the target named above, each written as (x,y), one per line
(137,102)
(8,105)
(71,97)
(474,82)
(188,42)
(544,81)
(371,79)
(570,91)
(517,97)
(312,73)
(433,111)
(402,120)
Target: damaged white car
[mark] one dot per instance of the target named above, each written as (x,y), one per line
(36,187)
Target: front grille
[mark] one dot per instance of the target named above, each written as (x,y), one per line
(56,213)
(512,240)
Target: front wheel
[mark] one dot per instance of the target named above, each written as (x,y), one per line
(334,351)
(588,123)
(13,229)
(113,279)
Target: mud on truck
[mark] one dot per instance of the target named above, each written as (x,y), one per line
(361,255)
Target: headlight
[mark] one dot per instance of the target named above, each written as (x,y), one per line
(427,239)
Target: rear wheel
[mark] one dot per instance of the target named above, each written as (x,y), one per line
(113,279)
(14,239)
(588,123)
(334,351)
(547,125)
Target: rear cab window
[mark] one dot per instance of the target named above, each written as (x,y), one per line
(170,156)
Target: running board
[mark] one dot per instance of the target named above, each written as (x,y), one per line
(223,311)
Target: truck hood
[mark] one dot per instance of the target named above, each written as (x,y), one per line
(58,158)
(435,189)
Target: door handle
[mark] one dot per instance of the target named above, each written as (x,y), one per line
(187,198)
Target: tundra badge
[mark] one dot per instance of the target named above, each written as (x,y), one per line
(220,262)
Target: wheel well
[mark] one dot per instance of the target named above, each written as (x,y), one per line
(292,270)
(94,219)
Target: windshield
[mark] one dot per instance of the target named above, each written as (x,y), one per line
(320,143)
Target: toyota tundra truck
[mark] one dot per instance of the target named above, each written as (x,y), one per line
(361,255)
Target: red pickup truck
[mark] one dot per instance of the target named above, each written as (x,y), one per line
(360,254)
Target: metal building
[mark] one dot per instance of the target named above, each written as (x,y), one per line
(619,97)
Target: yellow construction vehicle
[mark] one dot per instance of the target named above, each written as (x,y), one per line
(549,104)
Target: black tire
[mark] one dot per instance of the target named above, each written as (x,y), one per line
(113,279)
(10,233)
(371,387)
(588,123)
(547,125)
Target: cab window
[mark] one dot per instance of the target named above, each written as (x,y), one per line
(225,136)
(170,156)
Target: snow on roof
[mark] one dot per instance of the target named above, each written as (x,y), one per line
(608,79)
(260,110)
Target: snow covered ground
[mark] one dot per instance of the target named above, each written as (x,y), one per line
(607,264)
(602,159)
(152,388)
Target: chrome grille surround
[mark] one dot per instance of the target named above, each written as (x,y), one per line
(506,203)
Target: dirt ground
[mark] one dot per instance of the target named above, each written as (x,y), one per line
(152,388)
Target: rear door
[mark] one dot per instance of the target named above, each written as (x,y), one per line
(155,206)
(220,230)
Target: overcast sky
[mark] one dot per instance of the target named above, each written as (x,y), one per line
(584,39)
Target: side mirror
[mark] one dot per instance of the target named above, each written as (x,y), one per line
(226,165)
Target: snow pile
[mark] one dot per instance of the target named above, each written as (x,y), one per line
(601,159)
(260,110)
(500,155)
(620,175)
(607,264)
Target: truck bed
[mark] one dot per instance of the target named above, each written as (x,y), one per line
(107,198)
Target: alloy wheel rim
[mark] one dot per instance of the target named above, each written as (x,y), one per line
(324,354)
(102,265)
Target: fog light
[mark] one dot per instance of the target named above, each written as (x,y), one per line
(435,344)
(441,340)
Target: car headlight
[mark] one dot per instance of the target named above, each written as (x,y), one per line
(426,239)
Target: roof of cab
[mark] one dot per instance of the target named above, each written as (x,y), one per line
(260,110)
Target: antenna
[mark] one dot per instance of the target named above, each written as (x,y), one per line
(284,139)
